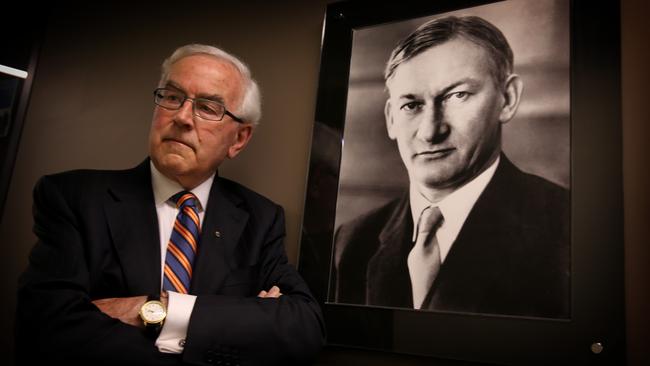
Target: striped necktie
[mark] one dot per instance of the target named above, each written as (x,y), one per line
(183,243)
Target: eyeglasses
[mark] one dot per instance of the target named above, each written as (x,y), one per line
(205,108)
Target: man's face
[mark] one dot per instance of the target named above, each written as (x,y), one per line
(189,149)
(445,111)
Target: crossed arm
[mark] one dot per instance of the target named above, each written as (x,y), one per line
(59,318)
(126,309)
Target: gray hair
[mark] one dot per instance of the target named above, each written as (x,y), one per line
(250,109)
(438,31)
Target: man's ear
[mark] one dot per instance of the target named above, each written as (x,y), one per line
(244,134)
(511,97)
(389,120)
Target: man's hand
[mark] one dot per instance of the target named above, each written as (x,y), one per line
(125,309)
(273,292)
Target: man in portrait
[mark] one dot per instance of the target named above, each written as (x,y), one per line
(472,233)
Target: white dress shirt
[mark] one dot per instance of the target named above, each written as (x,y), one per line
(454,208)
(180,306)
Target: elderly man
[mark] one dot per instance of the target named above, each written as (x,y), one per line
(473,233)
(168,263)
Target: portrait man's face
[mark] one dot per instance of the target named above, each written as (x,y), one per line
(183,145)
(445,111)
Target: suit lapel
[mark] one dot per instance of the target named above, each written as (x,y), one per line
(221,230)
(133,225)
(388,281)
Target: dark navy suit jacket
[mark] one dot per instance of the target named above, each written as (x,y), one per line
(511,256)
(98,237)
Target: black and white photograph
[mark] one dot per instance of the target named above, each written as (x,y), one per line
(455,173)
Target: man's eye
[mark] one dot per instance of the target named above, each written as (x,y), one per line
(172,97)
(411,106)
(209,109)
(461,95)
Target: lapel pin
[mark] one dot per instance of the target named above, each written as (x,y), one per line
(217,234)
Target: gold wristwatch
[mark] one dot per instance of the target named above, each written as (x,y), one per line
(153,314)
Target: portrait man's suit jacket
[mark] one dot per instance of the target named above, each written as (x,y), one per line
(98,237)
(511,256)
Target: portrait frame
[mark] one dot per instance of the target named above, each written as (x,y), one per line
(594,333)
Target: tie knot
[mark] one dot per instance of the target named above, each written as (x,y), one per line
(184,198)
(429,219)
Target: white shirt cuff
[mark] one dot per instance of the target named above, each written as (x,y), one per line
(174,331)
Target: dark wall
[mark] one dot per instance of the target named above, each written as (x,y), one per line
(636,178)
(91,107)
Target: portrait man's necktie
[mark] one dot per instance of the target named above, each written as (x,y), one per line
(424,259)
(183,244)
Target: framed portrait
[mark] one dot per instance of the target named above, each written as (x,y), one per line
(503,118)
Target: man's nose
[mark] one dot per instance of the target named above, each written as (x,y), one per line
(185,114)
(431,127)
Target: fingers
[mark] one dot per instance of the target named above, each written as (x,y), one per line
(274,292)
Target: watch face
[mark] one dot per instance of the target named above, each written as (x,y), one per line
(153,311)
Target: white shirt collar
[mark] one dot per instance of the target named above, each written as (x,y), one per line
(164,188)
(454,208)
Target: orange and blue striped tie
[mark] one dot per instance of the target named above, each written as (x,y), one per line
(182,246)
